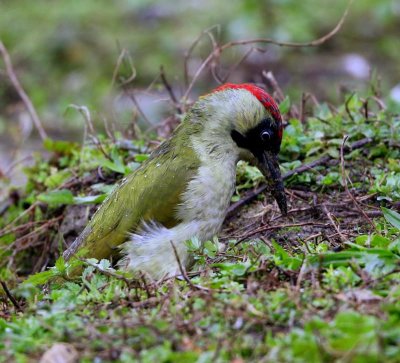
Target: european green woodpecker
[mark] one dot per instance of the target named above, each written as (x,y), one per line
(184,189)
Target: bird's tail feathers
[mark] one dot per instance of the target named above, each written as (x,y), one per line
(151,251)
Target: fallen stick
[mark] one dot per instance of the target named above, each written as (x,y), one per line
(21,92)
(250,196)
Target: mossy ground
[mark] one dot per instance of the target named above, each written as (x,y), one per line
(319,285)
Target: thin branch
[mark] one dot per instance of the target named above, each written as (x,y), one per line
(23,214)
(218,50)
(15,163)
(132,97)
(181,268)
(10,296)
(272,80)
(197,74)
(269,76)
(183,271)
(191,49)
(170,90)
(215,61)
(336,227)
(250,196)
(346,104)
(124,54)
(84,111)
(280,226)
(237,64)
(344,180)
(313,43)
(108,273)
(304,98)
(214,72)
(20,243)
(21,92)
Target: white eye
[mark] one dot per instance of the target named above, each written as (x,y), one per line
(265,136)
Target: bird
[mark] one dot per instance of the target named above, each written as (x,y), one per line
(183,190)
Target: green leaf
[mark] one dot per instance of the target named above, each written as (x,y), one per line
(333,152)
(374,259)
(210,248)
(239,269)
(56,179)
(56,197)
(284,106)
(141,157)
(330,178)
(90,199)
(379,241)
(40,278)
(323,112)
(282,258)
(392,217)
(116,166)
(103,188)
(7,238)
(59,146)
(60,265)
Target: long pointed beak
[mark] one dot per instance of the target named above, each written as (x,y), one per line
(269,166)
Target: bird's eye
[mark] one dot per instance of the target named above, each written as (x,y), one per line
(266,136)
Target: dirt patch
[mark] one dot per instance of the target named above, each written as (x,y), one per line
(331,217)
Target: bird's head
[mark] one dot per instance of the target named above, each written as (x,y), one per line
(249,116)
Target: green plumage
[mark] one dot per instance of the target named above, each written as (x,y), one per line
(185,187)
(150,193)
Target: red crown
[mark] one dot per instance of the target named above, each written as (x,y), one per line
(268,102)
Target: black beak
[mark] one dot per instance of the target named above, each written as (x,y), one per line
(268,165)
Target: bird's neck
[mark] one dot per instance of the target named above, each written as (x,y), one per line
(210,123)
(211,151)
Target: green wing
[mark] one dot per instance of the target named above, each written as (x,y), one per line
(151,192)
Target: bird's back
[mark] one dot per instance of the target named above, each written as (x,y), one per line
(150,193)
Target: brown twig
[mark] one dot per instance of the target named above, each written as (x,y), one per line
(183,271)
(304,98)
(330,217)
(132,97)
(10,296)
(25,212)
(18,244)
(313,43)
(215,54)
(250,196)
(21,92)
(110,134)
(124,54)
(84,111)
(237,64)
(270,78)
(170,91)
(346,187)
(108,273)
(346,105)
(20,227)
(190,51)
(379,102)
(280,226)
(150,302)
(301,169)
(181,268)
(15,163)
